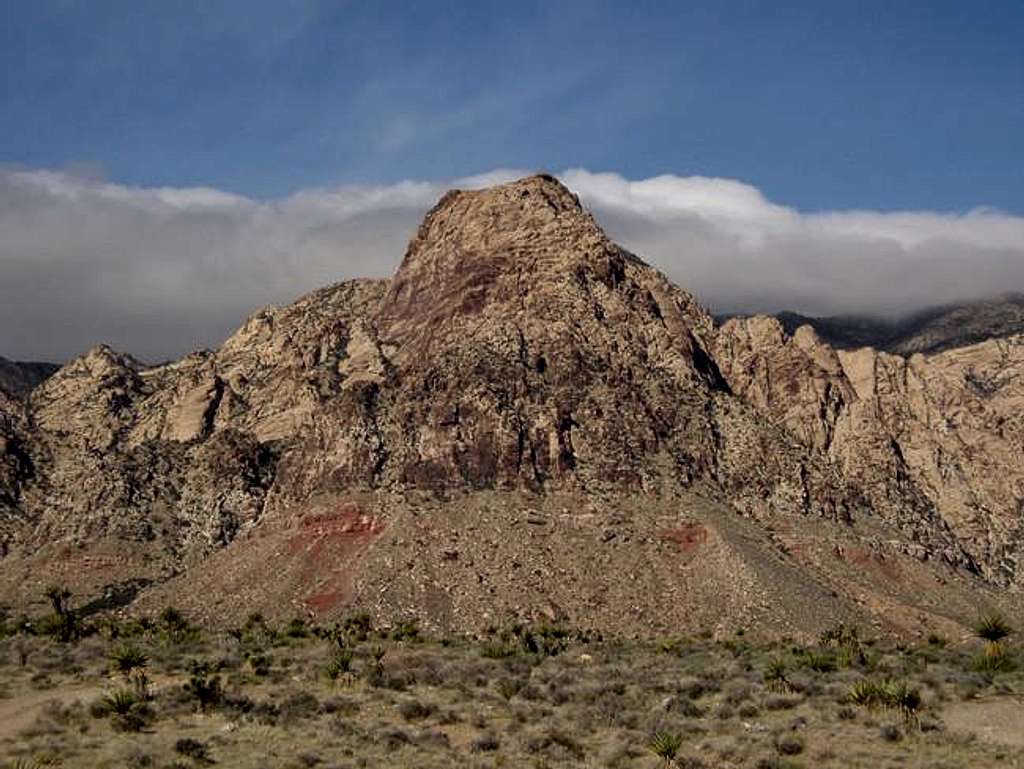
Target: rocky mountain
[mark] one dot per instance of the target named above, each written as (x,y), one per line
(527,422)
(932,330)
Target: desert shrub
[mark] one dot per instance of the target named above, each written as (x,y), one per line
(782,702)
(556,744)
(259,663)
(748,710)
(789,744)
(819,662)
(393,737)
(684,706)
(357,627)
(666,745)
(194,749)
(888,694)
(509,687)
(674,646)
(890,733)
(407,631)
(775,676)
(375,662)
(296,628)
(485,743)
(414,710)
(204,685)
(63,624)
(340,706)
(299,707)
(174,628)
(119,702)
(496,649)
(692,688)
(993,660)
(340,664)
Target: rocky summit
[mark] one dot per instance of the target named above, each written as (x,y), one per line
(526,422)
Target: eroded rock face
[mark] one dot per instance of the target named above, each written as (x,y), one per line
(946,428)
(367,443)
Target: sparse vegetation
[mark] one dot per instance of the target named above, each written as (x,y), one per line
(552,697)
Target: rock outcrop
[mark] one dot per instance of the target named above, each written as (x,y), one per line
(525,421)
(946,426)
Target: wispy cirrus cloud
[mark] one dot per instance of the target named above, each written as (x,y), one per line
(158,271)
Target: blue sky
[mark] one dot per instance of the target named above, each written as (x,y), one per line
(820,105)
(168,167)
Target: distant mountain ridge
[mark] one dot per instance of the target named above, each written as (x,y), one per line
(18,378)
(932,330)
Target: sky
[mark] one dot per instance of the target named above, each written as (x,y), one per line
(167,168)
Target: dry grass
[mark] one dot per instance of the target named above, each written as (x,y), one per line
(264,697)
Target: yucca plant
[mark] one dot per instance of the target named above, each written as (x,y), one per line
(665,745)
(992,627)
(889,694)
(128,658)
(120,702)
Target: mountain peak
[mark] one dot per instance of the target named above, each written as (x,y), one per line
(491,251)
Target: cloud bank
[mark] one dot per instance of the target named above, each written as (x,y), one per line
(160,271)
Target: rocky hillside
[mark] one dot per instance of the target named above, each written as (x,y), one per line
(526,421)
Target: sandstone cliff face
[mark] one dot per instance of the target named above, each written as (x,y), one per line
(947,427)
(526,419)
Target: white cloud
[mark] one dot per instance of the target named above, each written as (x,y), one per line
(158,271)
